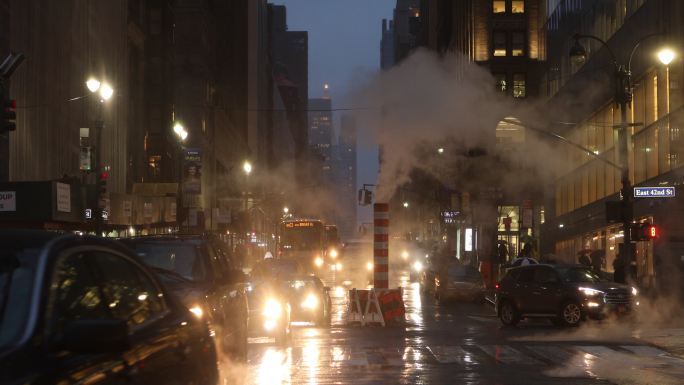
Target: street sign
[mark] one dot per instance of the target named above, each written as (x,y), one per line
(654,192)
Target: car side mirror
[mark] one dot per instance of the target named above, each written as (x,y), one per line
(95,336)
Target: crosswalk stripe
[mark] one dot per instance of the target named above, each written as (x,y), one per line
(452,354)
(643,350)
(508,355)
(555,354)
(595,350)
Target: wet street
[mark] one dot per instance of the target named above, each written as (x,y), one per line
(458,343)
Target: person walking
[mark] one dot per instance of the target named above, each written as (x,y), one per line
(525,257)
(584,259)
(619,267)
(597,257)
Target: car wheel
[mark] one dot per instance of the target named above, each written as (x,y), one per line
(508,314)
(571,314)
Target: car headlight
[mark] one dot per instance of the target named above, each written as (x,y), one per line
(333,253)
(369,266)
(272,309)
(634,291)
(318,261)
(589,291)
(197,311)
(418,266)
(311,302)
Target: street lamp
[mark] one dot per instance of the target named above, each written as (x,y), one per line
(247,167)
(406,204)
(286,210)
(623,96)
(181,134)
(440,150)
(105,92)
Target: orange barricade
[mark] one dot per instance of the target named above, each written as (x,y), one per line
(392,305)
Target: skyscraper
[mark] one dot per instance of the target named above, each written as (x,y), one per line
(321,134)
(346,176)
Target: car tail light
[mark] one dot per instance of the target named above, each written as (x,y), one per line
(497,286)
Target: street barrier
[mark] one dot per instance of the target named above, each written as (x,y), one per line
(380,245)
(375,307)
(392,305)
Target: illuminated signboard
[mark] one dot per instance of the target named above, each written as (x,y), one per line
(290,225)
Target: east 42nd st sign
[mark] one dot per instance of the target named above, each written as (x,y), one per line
(654,192)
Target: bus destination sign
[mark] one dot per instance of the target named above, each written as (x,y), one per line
(290,225)
(654,192)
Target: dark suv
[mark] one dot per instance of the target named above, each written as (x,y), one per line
(565,294)
(199,270)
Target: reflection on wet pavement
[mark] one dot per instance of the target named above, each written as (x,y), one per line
(448,344)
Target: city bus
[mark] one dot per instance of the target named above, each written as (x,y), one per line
(303,240)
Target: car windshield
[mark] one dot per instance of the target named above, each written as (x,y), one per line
(181,258)
(16,281)
(579,275)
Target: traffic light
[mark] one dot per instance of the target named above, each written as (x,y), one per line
(365,197)
(644,231)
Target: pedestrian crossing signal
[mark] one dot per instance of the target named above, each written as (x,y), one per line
(644,231)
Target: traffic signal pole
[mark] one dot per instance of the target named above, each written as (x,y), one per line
(624,96)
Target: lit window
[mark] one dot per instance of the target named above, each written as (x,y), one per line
(518,44)
(518,6)
(519,85)
(499,6)
(501,84)
(499,44)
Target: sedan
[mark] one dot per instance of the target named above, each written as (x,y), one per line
(84,310)
(311,300)
(458,281)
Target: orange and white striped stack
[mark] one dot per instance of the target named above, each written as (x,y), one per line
(380,245)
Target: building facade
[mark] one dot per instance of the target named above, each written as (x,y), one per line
(346,170)
(582,93)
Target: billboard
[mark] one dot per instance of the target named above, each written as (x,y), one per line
(192,171)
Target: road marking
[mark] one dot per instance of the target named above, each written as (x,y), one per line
(595,350)
(491,319)
(555,354)
(452,354)
(644,350)
(507,355)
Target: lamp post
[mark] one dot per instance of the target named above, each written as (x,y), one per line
(104,92)
(623,96)
(247,168)
(181,135)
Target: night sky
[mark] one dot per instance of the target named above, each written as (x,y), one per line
(344,45)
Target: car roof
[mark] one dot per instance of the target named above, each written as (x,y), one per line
(166,239)
(14,239)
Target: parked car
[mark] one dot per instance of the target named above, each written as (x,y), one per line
(458,281)
(78,310)
(206,281)
(270,310)
(564,294)
(311,300)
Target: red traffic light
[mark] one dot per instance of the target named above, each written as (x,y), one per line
(104,175)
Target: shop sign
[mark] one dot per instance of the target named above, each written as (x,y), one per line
(8,201)
(63,197)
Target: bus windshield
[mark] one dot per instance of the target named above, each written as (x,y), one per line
(305,235)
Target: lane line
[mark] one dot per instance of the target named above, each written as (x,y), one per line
(508,355)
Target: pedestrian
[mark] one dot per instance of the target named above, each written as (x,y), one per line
(619,268)
(584,259)
(525,257)
(597,257)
